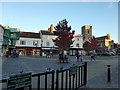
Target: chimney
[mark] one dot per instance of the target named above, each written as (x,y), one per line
(51,28)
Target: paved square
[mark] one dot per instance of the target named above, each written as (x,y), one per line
(97,70)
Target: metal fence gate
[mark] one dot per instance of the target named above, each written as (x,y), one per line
(57,80)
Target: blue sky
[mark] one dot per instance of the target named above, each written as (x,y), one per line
(34,16)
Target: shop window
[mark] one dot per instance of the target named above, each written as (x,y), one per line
(77,45)
(35,43)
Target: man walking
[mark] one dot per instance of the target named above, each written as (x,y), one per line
(92,57)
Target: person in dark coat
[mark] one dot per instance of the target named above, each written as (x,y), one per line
(92,57)
(60,57)
(78,57)
(7,53)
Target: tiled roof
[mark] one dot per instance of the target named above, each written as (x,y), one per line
(102,37)
(46,32)
(29,35)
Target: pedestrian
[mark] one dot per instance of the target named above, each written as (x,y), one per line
(92,57)
(14,53)
(11,54)
(61,57)
(78,57)
(17,53)
(7,53)
(81,58)
(66,58)
(47,55)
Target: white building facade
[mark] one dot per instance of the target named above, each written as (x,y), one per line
(42,43)
(48,45)
(77,45)
(29,44)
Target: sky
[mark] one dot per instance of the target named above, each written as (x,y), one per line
(35,16)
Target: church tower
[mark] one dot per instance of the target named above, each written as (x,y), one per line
(86,32)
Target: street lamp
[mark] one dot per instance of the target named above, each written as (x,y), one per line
(36,43)
(41,46)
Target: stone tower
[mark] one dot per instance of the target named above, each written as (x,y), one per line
(86,32)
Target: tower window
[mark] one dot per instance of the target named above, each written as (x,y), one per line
(88,32)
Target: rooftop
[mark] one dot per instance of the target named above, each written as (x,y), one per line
(29,34)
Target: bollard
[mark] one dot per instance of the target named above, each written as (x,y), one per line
(108,74)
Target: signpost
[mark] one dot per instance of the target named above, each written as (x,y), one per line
(73,70)
(19,81)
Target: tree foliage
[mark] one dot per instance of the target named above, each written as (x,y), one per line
(91,45)
(65,36)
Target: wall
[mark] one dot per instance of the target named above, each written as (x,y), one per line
(48,38)
(29,42)
(80,41)
(1,39)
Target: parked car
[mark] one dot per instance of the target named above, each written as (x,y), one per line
(104,54)
(112,54)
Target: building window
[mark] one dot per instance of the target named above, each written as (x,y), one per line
(1,30)
(77,39)
(88,31)
(22,42)
(35,43)
(47,44)
(101,44)
(77,44)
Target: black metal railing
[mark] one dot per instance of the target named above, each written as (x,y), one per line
(59,79)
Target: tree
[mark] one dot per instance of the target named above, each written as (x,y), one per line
(91,45)
(87,46)
(64,39)
(94,44)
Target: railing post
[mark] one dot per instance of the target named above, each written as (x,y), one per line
(69,81)
(38,82)
(57,79)
(108,74)
(85,73)
(66,80)
(52,80)
(46,81)
(73,81)
(30,87)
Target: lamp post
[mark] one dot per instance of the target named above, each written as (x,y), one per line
(36,43)
(41,46)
